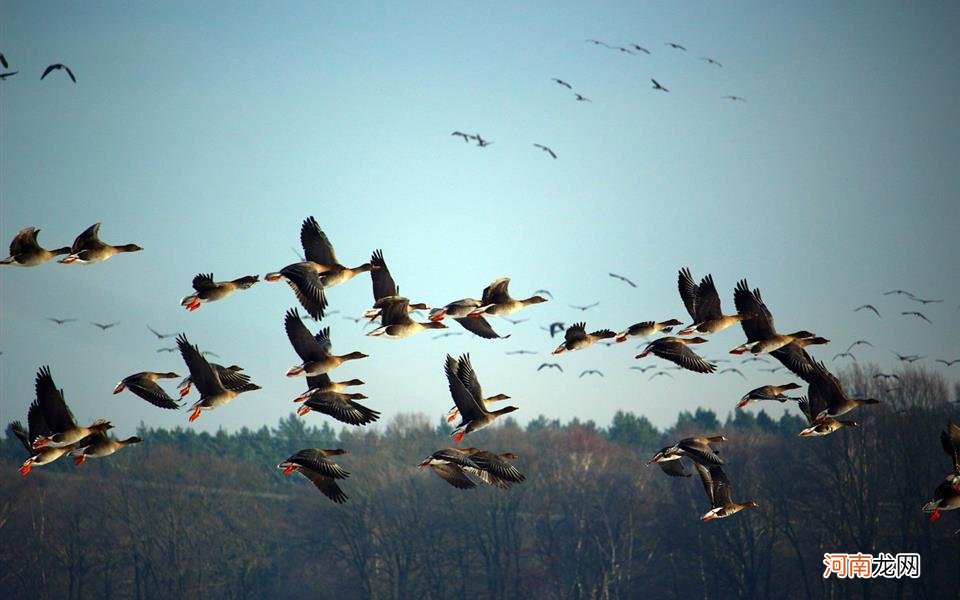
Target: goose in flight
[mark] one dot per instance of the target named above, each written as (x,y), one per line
(105,326)
(868,307)
(59,321)
(657,86)
(917,314)
(25,251)
(710,60)
(546,149)
(88,248)
(735,98)
(677,46)
(585,307)
(550,366)
(639,48)
(58,67)
(623,279)
(581,98)
(314,464)
(466,137)
(676,350)
(563,83)
(590,372)
(160,336)
(703,304)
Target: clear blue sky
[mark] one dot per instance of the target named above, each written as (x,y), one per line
(206,134)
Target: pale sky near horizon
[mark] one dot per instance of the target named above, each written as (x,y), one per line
(206,134)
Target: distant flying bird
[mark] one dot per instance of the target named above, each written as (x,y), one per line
(859,343)
(545,149)
(581,99)
(659,373)
(60,321)
(657,86)
(482,142)
(555,328)
(924,301)
(543,292)
(773,370)
(159,350)
(622,49)
(5,75)
(949,363)
(584,307)
(104,326)
(515,321)
(466,138)
(868,307)
(643,369)
(562,82)
(521,352)
(160,336)
(447,334)
(710,60)
(836,356)
(550,366)
(639,48)
(909,358)
(58,67)
(677,46)
(355,320)
(917,314)
(732,370)
(624,279)
(735,98)
(903,292)
(753,359)
(591,372)
(598,43)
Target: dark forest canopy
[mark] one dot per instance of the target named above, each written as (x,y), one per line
(188,515)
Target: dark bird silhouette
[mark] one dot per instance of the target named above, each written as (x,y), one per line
(105,326)
(547,150)
(58,67)
(3,76)
(735,98)
(521,352)
(948,363)
(60,321)
(900,292)
(515,321)
(591,372)
(160,336)
(144,385)
(466,138)
(847,354)
(710,60)
(173,349)
(868,307)
(584,307)
(543,292)
(917,314)
(556,327)
(563,83)
(3,61)
(657,86)
(581,98)
(447,334)
(550,366)
(859,343)
(639,48)
(624,279)
(732,370)
(677,46)
(658,374)
(643,369)
(908,358)
(753,359)
(677,351)
(925,301)
(598,43)
(482,142)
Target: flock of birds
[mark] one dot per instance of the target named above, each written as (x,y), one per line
(579,97)
(47,71)
(53,431)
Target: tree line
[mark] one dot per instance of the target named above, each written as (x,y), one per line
(189,514)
